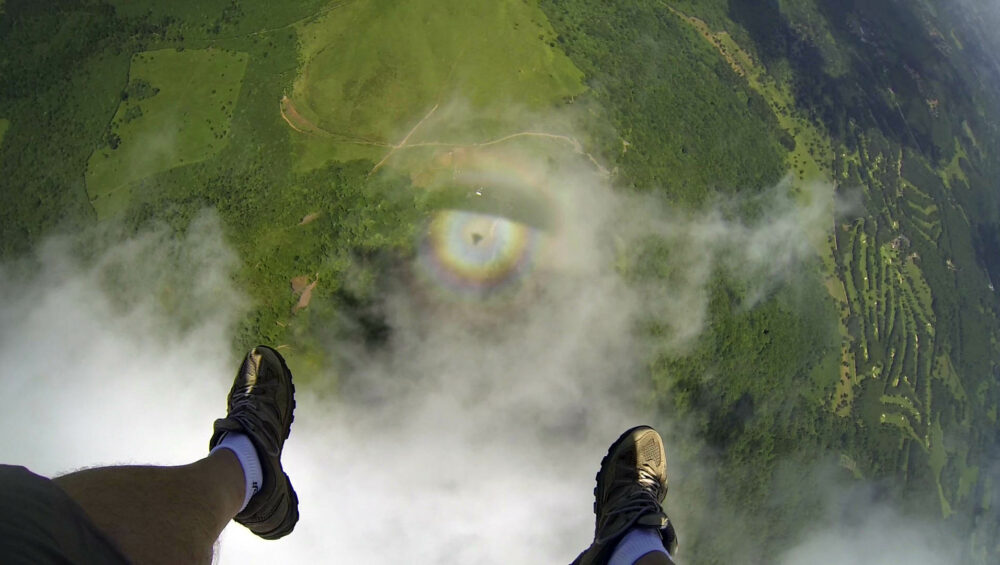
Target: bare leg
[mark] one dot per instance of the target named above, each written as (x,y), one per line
(654,558)
(161,514)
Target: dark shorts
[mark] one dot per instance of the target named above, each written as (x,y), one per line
(39,523)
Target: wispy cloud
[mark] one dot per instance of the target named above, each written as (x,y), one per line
(461,438)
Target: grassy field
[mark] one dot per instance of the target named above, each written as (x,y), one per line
(369,90)
(175,111)
(4,124)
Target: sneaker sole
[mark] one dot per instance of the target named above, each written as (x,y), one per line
(607,456)
(292,517)
(291,385)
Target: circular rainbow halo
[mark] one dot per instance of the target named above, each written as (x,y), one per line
(476,256)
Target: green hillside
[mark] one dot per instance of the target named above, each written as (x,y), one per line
(503,58)
(176,109)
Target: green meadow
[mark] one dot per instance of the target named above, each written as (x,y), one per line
(358,92)
(175,110)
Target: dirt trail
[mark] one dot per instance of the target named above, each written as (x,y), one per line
(299,123)
(292,117)
(402,144)
(740,60)
(577,146)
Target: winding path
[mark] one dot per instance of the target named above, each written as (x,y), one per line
(300,124)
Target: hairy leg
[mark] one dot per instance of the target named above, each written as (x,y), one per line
(161,514)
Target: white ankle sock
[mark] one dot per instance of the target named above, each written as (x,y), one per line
(241,445)
(636,543)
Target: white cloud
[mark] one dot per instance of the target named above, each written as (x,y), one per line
(881,537)
(463,438)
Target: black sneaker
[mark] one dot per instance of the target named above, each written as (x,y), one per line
(631,486)
(261,404)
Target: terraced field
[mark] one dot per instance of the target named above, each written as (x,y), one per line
(891,359)
(898,358)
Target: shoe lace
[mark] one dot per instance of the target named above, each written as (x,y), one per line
(249,402)
(244,400)
(637,502)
